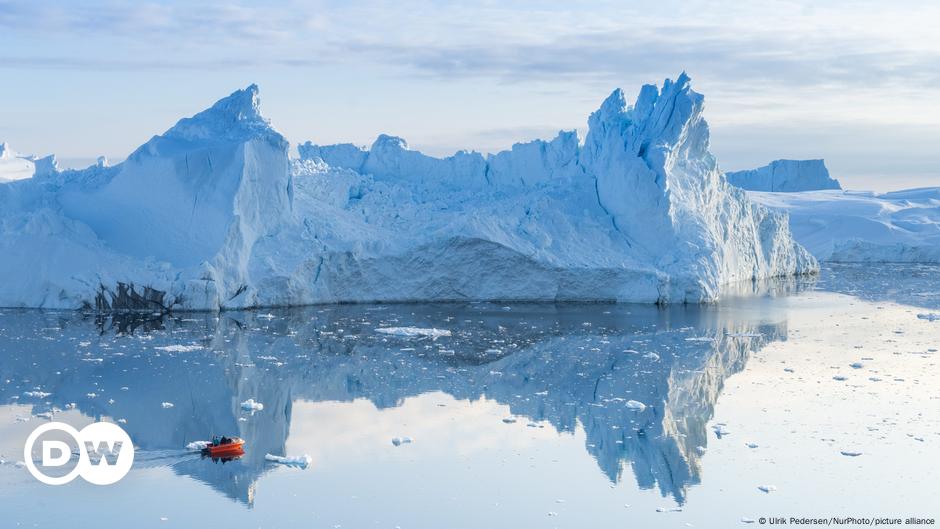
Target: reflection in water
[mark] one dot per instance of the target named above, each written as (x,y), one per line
(905,283)
(568,365)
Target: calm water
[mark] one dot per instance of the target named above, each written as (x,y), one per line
(520,418)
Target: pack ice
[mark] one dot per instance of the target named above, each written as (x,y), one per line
(213,214)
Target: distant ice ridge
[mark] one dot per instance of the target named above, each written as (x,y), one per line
(785,176)
(213,214)
(16,166)
(857,226)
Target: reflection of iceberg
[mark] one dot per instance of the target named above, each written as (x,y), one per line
(569,365)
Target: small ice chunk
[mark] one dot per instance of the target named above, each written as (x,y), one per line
(720,430)
(767,488)
(929,316)
(292,461)
(509,420)
(850,453)
(669,509)
(856,365)
(166,405)
(636,405)
(414,332)
(398,441)
(179,348)
(788,369)
(750,445)
(651,356)
(840,378)
(252,406)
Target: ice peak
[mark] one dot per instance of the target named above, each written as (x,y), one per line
(5,151)
(386,141)
(236,116)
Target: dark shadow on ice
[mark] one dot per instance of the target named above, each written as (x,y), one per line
(570,365)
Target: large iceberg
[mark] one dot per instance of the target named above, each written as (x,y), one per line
(213,214)
(785,176)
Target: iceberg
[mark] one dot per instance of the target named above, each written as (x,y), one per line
(862,226)
(16,166)
(213,214)
(785,176)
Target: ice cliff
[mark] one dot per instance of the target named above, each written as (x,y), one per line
(785,176)
(213,214)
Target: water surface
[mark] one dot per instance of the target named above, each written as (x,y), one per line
(521,418)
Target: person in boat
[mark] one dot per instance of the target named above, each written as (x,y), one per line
(225,440)
(216,440)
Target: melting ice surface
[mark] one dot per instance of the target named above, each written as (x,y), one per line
(526,415)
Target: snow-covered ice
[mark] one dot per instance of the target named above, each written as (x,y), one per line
(861,226)
(213,214)
(785,176)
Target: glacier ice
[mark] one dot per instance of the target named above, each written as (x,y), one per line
(785,176)
(862,226)
(213,214)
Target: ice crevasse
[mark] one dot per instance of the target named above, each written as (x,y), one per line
(214,214)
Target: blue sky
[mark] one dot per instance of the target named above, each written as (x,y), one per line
(856,83)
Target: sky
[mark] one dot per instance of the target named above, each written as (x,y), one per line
(856,83)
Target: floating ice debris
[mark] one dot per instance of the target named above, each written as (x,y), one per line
(398,441)
(252,406)
(788,369)
(71,406)
(929,316)
(856,365)
(293,461)
(850,454)
(636,405)
(669,509)
(751,445)
(767,488)
(720,430)
(414,332)
(651,356)
(179,348)
(509,420)
(267,316)
(197,445)
(840,378)
(91,395)
(166,405)
(36,394)
(122,421)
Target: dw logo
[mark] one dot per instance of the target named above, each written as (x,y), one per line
(105,453)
